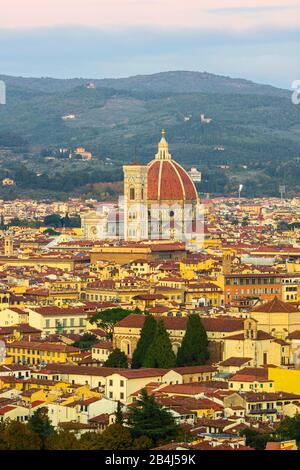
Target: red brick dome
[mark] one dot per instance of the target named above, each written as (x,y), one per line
(167,180)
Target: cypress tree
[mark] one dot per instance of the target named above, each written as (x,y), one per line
(117,358)
(194,347)
(149,419)
(146,338)
(40,423)
(160,353)
(119,414)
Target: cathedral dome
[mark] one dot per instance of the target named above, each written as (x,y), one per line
(167,180)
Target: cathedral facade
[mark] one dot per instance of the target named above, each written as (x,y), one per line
(160,199)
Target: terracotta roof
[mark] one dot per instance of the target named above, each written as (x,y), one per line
(294,335)
(36,403)
(179,323)
(43,346)
(261,335)
(273,396)
(193,388)
(167,180)
(137,321)
(248,378)
(6,409)
(258,371)
(291,445)
(235,361)
(55,311)
(276,305)
(103,371)
(195,369)
(101,419)
(103,345)
(223,324)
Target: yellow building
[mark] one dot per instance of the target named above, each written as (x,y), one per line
(286,380)
(258,345)
(13,316)
(54,319)
(29,352)
(277,318)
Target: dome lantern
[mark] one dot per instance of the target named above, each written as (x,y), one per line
(163,148)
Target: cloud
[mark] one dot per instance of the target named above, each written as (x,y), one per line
(221,14)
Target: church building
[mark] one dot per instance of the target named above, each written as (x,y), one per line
(160,199)
(160,203)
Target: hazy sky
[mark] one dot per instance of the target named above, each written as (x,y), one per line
(253,39)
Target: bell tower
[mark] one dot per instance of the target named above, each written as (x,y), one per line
(135,202)
(227,261)
(8,246)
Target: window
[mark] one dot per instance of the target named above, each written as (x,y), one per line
(122,396)
(132,194)
(110,383)
(122,383)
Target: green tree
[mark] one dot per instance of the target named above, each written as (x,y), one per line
(2,224)
(245,221)
(53,220)
(91,441)
(119,414)
(148,418)
(62,440)
(117,358)
(194,347)
(255,439)
(86,341)
(142,443)
(289,428)
(106,319)
(160,353)
(144,342)
(51,232)
(117,437)
(282,225)
(18,436)
(40,424)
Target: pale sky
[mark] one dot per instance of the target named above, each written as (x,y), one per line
(259,40)
(231,14)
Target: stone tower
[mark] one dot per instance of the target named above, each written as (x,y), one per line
(227,262)
(135,202)
(8,246)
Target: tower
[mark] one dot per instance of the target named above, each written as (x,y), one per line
(135,202)
(227,262)
(8,246)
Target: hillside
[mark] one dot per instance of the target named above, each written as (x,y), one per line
(251,124)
